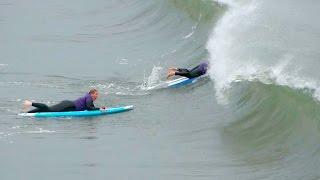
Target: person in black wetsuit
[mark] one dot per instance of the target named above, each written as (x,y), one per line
(197,71)
(82,103)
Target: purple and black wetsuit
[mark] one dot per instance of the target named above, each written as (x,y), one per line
(197,71)
(81,104)
(85,103)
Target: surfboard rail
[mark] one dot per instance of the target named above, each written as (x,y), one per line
(111,110)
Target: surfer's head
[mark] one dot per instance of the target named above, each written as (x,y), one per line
(94,94)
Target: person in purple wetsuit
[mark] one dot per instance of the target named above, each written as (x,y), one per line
(80,104)
(197,71)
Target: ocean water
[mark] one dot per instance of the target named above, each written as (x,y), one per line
(256,117)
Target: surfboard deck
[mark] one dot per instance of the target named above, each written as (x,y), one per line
(112,110)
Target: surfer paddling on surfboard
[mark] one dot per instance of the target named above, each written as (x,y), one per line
(197,71)
(81,104)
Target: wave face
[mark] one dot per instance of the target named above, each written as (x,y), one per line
(274,128)
(264,57)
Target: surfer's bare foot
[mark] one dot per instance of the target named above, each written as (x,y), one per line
(172,68)
(27,103)
(170,74)
(171,71)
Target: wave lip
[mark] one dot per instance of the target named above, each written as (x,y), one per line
(222,41)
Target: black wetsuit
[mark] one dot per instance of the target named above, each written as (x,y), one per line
(80,104)
(197,71)
(60,107)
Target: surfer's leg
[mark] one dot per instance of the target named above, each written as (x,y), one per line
(177,71)
(194,68)
(184,72)
(63,106)
(195,72)
(35,110)
(39,108)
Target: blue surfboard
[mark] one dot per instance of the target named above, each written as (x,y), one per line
(183,81)
(79,113)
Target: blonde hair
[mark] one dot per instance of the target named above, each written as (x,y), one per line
(93,91)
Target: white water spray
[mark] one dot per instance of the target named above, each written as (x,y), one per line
(245,46)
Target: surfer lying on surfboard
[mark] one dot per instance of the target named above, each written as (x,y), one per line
(81,104)
(197,71)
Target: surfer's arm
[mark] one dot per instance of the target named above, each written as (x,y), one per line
(90,106)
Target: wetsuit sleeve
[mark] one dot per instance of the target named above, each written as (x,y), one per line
(90,106)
